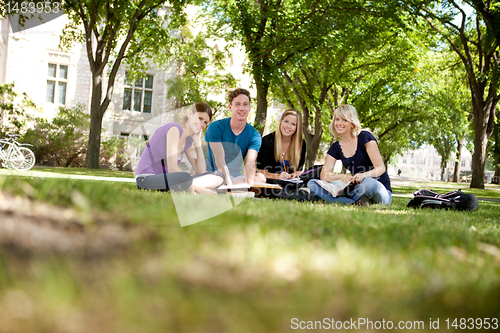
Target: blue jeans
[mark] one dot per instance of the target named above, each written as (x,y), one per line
(372,188)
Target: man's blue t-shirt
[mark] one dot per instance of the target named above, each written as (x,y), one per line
(360,161)
(235,146)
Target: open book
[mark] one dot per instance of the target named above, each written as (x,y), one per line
(246,186)
(334,187)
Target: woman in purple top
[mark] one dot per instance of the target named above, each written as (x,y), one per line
(158,168)
(359,153)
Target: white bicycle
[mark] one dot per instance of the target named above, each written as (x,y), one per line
(14,155)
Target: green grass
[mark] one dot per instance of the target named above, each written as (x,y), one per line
(250,269)
(490,191)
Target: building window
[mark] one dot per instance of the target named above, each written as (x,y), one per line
(413,160)
(57,83)
(462,164)
(138,96)
(421,160)
(437,162)
(404,160)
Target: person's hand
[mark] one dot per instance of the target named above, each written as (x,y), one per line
(284,175)
(296,174)
(346,178)
(358,178)
(196,139)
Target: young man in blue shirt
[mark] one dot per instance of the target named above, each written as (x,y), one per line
(231,140)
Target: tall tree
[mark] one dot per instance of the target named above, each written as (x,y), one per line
(272,32)
(367,62)
(115,31)
(448,100)
(475,43)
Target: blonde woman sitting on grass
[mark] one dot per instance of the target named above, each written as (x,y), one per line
(359,153)
(283,152)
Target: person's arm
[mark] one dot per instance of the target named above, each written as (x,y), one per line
(220,162)
(327,173)
(172,149)
(195,155)
(377,161)
(250,167)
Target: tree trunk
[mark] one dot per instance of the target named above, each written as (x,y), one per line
(312,142)
(261,113)
(96,114)
(443,167)
(456,172)
(483,128)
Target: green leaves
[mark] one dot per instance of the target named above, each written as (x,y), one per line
(202,71)
(16,110)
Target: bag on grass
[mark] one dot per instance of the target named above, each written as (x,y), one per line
(456,200)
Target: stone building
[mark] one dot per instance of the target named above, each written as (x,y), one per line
(426,163)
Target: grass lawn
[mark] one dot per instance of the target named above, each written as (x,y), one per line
(490,191)
(95,256)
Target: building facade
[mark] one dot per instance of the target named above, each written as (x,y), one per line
(51,78)
(425,163)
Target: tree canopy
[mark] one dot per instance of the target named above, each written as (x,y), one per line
(137,33)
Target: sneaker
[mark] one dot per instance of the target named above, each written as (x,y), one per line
(363,201)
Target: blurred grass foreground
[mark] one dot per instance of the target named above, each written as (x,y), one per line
(83,255)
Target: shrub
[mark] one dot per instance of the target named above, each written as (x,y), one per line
(62,141)
(15,110)
(115,154)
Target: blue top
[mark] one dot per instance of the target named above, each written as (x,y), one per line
(154,157)
(235,146)
(360,161)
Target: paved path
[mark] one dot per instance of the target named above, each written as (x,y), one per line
(42,174)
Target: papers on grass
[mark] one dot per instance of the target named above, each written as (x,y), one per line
(246,186)
(334,187)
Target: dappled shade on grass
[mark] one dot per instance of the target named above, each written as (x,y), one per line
(252,268)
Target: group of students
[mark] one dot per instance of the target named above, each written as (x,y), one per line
(234,145)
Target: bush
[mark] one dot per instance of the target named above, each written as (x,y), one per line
(63,141)
(114,154)
(15,110)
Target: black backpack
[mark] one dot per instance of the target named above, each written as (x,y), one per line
(456,200)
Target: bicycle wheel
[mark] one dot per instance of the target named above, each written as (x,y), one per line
(23,159)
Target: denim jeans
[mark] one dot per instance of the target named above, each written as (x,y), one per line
(372,188)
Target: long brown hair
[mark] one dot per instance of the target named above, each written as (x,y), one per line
(295,149)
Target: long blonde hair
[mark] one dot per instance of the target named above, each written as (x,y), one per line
(349,113)
(295,149)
